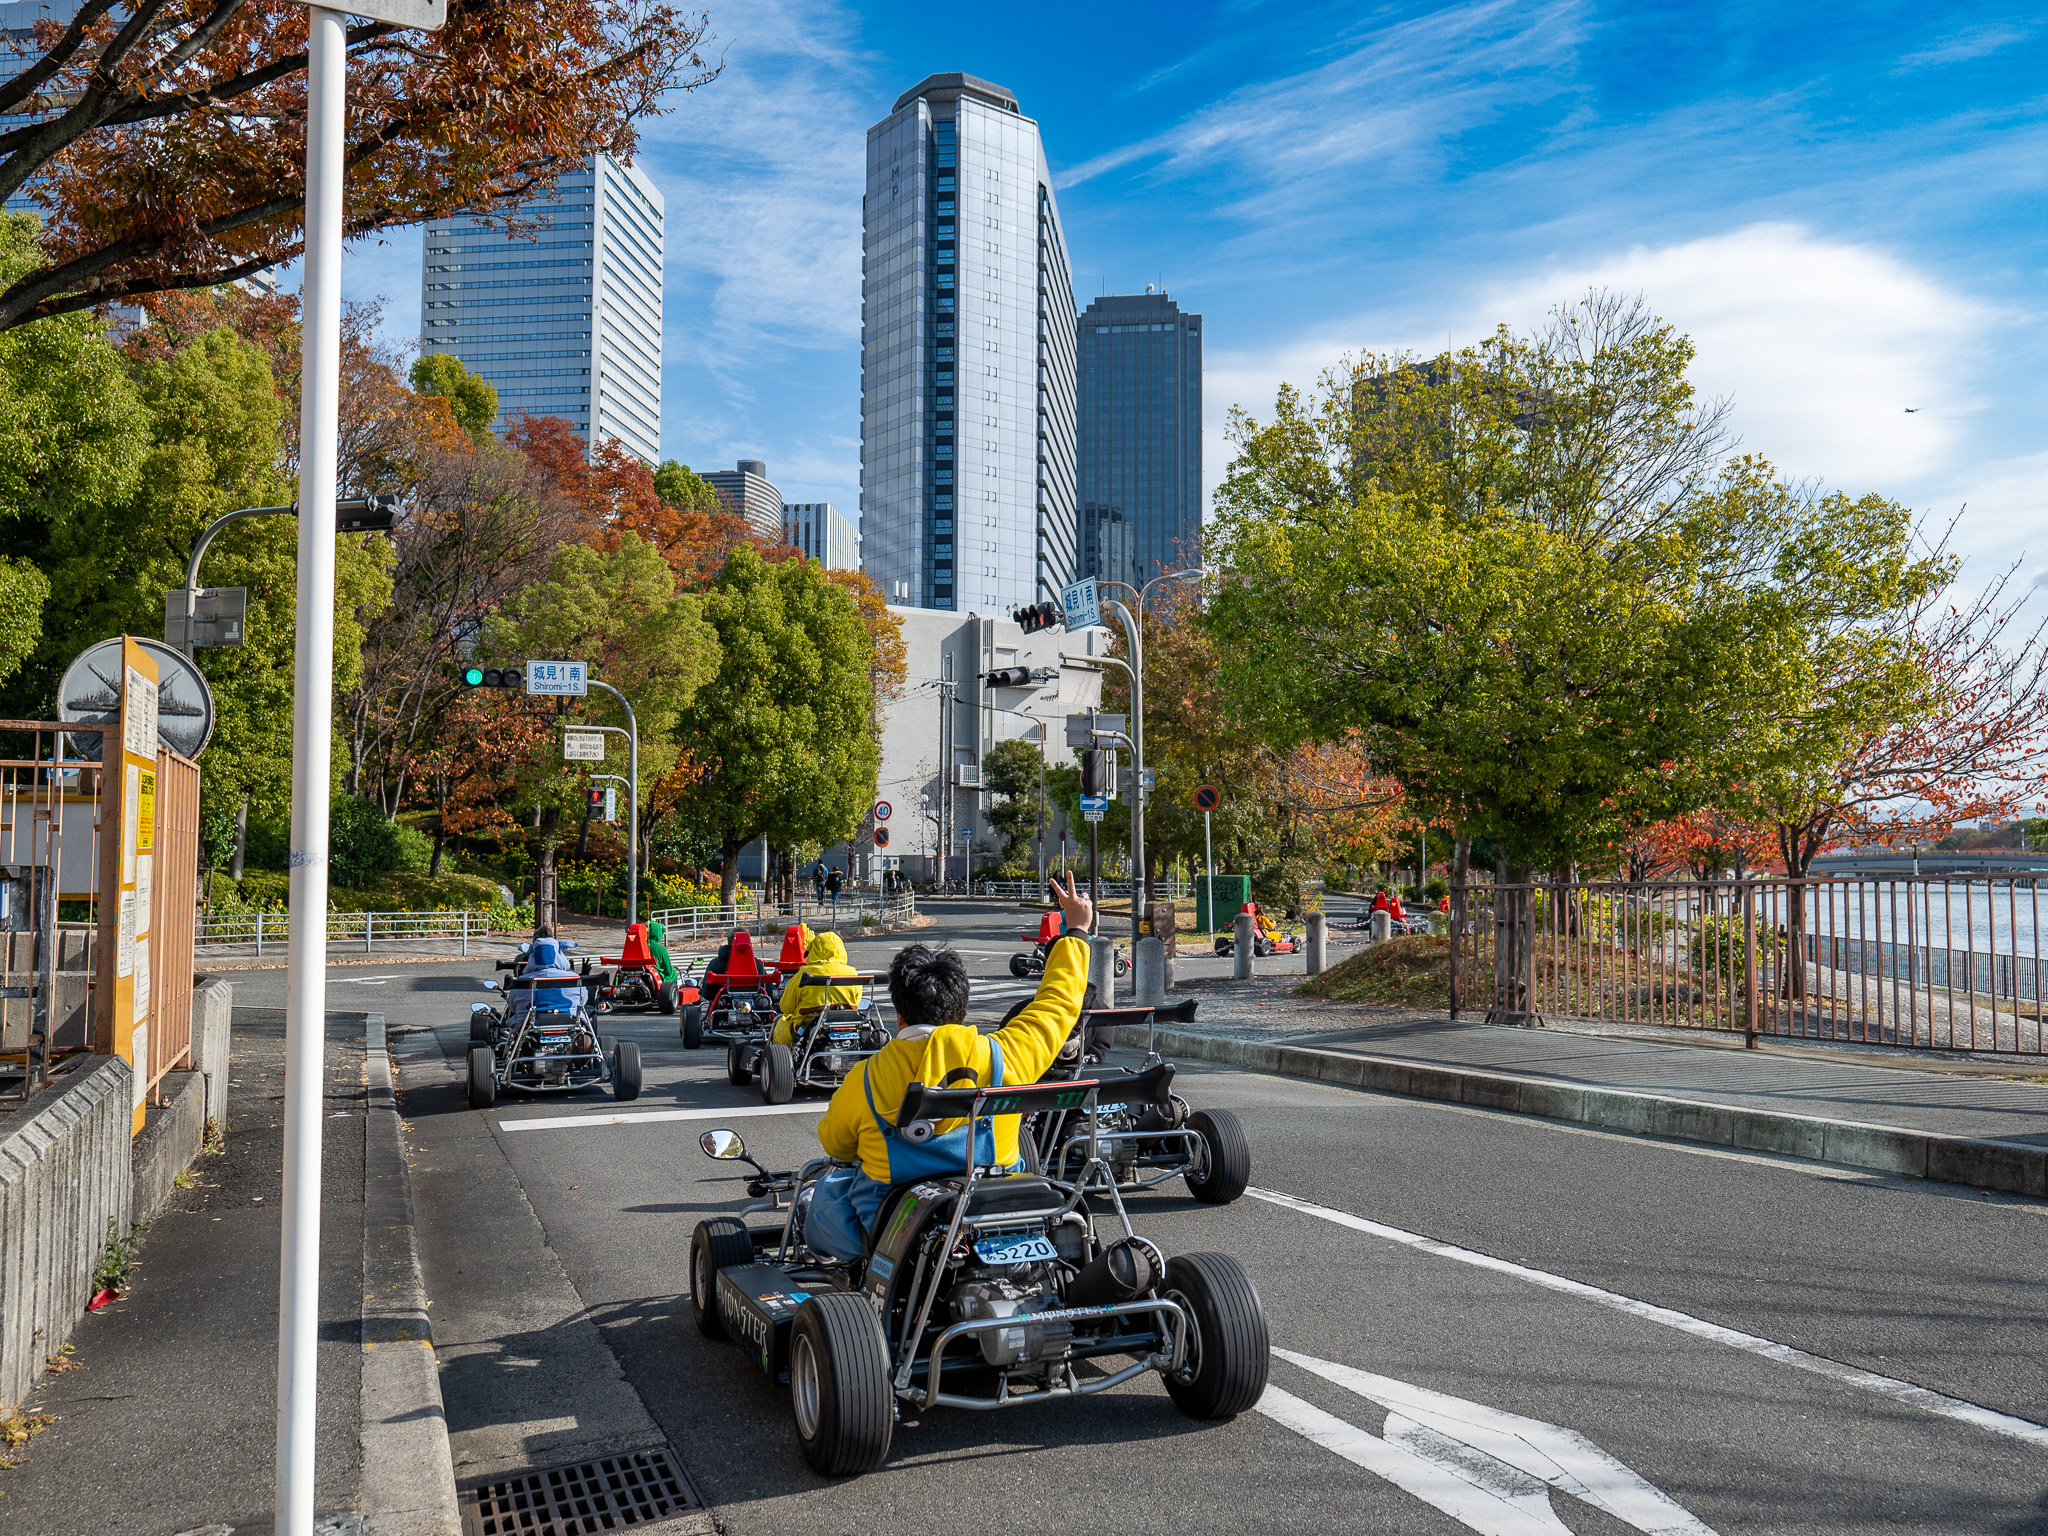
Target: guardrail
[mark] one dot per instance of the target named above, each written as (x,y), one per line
(273,928)
(1031,890)
(685,924)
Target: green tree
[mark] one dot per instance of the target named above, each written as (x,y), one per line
(619,611)
(680,487)
(471,397)
(23,591)
(1012,770)
(785,734)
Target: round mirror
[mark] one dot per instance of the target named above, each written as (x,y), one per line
(722,1144)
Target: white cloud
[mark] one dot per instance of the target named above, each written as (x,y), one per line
(1970,43)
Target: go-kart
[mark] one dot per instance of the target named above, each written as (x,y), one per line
(978,1289)
(1267,939)
(1140,1146)
(545,1050)
(1033,964)
(734,1004)
(637,982)
(828,1043)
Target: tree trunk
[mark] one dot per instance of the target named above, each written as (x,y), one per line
(728,871)
(544,902)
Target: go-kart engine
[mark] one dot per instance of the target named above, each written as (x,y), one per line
(1000,1297)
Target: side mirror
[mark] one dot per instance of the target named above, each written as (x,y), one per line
(722,1144)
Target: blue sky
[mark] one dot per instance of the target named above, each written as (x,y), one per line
(1844,205)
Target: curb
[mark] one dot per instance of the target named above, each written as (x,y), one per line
(408,1476)
(2009,1167)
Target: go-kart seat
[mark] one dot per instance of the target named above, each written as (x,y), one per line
(636,955)
(741,969)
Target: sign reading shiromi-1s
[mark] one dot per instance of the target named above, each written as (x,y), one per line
(558,678)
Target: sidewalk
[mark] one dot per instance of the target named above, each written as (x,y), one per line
(1971,1120)
(167,1423)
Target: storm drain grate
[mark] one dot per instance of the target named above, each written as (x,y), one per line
(613,1493)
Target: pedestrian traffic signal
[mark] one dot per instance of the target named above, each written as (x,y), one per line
(1094,772)
(1038,616)
(593,802)
(881,837)
(1008,677)
(494,677)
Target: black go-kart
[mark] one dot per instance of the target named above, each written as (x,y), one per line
(1138,1145)
(545,1051)
(1025,966)
(826,1044)
(977,1290)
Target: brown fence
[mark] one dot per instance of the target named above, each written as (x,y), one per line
(1934,962)
(173,910)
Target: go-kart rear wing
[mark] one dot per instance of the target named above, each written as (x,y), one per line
(1151,1086)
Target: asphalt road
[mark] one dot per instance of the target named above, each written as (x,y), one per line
(1484,1322)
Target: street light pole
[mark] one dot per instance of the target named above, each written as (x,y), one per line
(632,735)
(298,1318)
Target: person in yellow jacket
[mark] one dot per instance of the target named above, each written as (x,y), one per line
(826,956)
(933,1042)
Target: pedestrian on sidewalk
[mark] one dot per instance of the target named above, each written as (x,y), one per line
(833,883)
(818,881)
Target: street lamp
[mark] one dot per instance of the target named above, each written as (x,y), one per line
(359,514)
(632,734)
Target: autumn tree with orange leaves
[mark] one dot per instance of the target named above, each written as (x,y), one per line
(168,151)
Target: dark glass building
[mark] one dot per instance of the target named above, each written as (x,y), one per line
(1140,439)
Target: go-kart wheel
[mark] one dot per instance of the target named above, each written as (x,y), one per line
(665,1001)
(626,1071)
(737,1072)
(693,1027)
(1224,1369)
(480,1028)
(483,1077)
(839,1384)
(1019,966)
(1122,964)
(717,1243)
(1228,1167)
(1223,946)
(778,1074)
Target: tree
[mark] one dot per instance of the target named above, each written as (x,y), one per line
(684,489)
(23,591)
(1012,769)
(890,668)
(786,732)
(471,397)
(168,156)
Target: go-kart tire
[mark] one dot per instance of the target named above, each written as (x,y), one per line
(1229,1167)
(693,1028)
(839,1384)
(1230,1348)
(626,1071)
(483,1077)
(717,1244)
(665,1000)
(737,1072)
(1019,966)
(778,1074)
(480,1029)
(1122,965)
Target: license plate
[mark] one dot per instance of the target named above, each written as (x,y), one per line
(1016,1248)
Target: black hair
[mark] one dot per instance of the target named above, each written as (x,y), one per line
(543,931)
(927,986)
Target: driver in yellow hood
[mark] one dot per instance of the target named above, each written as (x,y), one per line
(826,956)
(934,1044)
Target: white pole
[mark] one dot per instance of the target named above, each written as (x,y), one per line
(298,1319)
(1209,859)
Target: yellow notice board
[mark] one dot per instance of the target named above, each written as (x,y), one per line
(129,775)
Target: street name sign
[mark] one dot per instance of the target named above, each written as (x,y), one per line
(557,679)
(583,747)
(1082,604)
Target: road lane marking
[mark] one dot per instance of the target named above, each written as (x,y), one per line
(1508,1461)
(562,1122)
(366,981)
(1783,1354)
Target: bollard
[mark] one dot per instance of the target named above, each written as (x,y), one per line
(1241,947)
(1148,972)
(1318,943)
(1382,927)
(1102,968)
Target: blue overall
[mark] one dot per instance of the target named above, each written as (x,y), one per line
(844,1202)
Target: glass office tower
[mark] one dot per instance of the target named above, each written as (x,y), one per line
(968,494)
(1141,437)
(564,319)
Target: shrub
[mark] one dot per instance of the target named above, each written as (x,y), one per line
(361,843)
(1413,970)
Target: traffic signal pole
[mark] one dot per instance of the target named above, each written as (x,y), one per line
(632,735)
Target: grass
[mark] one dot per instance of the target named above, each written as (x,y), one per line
(1413,971)
(119,1256)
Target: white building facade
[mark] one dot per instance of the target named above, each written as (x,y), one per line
(823,533)
(565,319)
(968,468)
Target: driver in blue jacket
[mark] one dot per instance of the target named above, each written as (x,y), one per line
(545,962)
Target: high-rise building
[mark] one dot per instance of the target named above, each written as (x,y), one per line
(18,50)
(565,317)
(823,533)
(967,356)
(747,492)
(1140,436)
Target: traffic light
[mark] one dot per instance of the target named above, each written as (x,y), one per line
(593,802)
(1038,616)
(494,677)
(1094,771)
(1008,677)
(366,514)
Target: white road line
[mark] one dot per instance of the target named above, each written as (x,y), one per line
(636,1116)
(1891,1387)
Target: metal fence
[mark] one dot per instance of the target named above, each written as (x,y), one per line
(269,932)
(1934,962)
(1032,890)
(708,925)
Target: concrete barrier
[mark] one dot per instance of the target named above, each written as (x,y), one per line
(213,1017)
(65,1176)
(2009,1167)
(169,1142)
